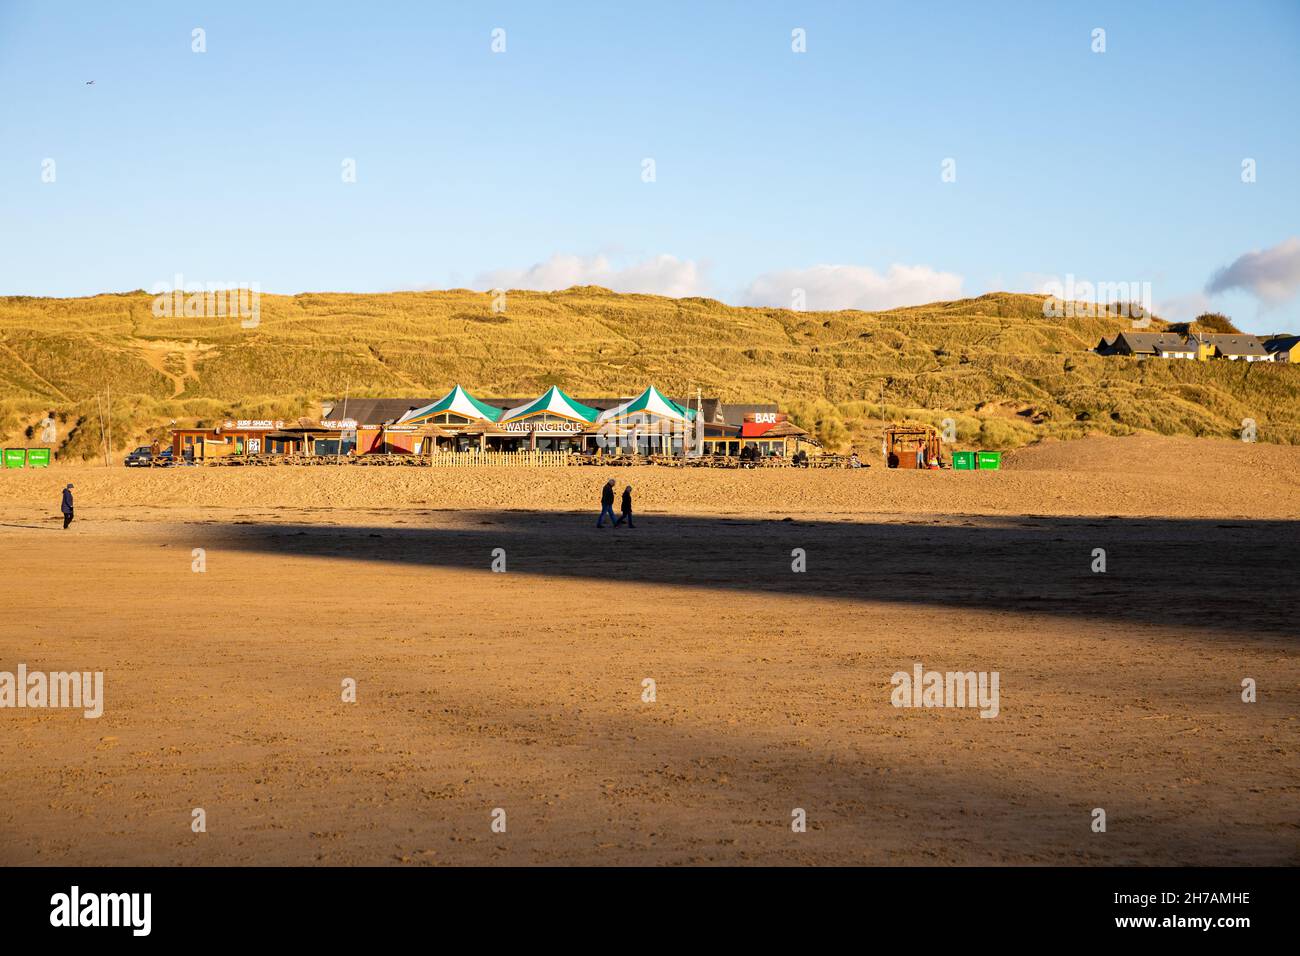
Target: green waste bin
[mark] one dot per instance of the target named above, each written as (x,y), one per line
(15,457)
(963,461)
(38,458)
(989,460)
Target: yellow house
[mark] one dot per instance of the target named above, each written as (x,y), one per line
(1230,346)
(1283,348)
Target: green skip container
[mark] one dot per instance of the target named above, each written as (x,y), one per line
(963,461)
(15,457)
(989,460)
(38,458)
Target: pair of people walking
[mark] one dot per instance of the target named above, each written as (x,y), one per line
(607,506)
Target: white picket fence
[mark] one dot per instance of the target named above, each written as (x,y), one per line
(501,459)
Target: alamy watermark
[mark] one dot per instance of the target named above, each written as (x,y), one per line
(240,300)
(82,690)
(1075,299)
(922,688)
(129,910)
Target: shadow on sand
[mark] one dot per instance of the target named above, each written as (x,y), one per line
(1231,576)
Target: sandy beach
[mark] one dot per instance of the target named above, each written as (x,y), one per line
(524,691)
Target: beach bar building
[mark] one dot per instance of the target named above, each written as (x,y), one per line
(301,436)
(245,437)
(458,417)
(553,421)
(649,424)
(772,433)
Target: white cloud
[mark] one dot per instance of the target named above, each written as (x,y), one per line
(1182,308)
(658,275)
(827,288)
(1270,275)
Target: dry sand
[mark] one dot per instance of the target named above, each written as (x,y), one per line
(1146,476)
(523,690)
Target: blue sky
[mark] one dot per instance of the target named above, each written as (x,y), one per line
(773,169)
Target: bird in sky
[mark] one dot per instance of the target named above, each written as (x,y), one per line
(90,82)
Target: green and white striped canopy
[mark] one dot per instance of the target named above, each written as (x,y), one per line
(650,402)
(458,402)
(554,402)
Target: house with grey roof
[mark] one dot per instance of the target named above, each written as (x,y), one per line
(1234,347)
(1148,345)
(1200,346)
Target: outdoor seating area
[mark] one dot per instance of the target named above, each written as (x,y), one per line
(553,429)
(529,459)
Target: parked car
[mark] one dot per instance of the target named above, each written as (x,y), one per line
(142,457)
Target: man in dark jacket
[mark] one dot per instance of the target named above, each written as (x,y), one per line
(606,503)
(626,508)
(66,507)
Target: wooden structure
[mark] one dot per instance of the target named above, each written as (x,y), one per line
(774,439)
(520,459)
(503,459)
(912,445)
(228,438)
(648,424)
(403,439)
(772,433)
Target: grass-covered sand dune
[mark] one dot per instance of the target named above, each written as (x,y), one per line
(1003,371)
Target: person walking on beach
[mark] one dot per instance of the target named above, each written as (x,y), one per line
(66,507)
(626,508)
(606,503)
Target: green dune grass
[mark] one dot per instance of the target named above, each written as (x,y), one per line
(1002,371)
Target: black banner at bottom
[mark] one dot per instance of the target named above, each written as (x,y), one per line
(908,905)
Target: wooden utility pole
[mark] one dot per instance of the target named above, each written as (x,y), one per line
(338,449)
(103,442)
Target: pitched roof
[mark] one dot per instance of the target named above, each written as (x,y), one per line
(1155,342)
(649,402)
(371,411)
(459,402)
(554,402)
(785,429)
(1281,343)
(427,429)
(378,411)
(735,414)
(1232,344)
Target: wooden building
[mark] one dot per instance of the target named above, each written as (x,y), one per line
(302,436)
(912,445)
(244,437)
(647,423)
